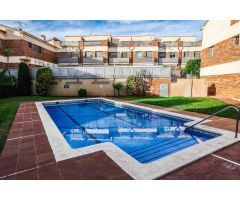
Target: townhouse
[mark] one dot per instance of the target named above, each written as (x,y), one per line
(220,57)
(27,48)
(97,50)
(146,50)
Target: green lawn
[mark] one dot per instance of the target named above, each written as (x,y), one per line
(199,105)
(8,109)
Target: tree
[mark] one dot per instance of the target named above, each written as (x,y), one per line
(7,53)
(24,81)
(137,85)
(117,86)
(43,80)
(193,67)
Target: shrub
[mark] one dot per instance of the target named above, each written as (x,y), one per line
(7,85)
(24,82)
(137,85)
(82,92)
(117,86)
(43,80)
(193,67)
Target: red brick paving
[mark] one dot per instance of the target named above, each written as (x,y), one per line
(28,155)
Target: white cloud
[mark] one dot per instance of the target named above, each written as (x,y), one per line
(60,29)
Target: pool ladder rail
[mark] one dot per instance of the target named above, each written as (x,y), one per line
(220,111)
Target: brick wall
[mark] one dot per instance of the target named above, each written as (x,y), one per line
(224,52)
(20,47)
(227,85)
(155,86)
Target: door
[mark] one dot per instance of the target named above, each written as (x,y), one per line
(163,90)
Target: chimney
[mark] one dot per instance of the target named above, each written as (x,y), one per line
(43,37)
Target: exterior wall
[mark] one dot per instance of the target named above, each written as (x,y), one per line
(155,86)
(224,52)
(222,70)
(95,87)
(183,88)
(216,31)
(227,85)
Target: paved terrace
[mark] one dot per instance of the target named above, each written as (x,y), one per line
(28,155)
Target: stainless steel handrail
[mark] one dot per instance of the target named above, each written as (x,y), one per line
(220,111)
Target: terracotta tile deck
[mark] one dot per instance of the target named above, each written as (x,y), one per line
(28,155)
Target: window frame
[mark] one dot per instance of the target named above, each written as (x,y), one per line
(137,53)
(165,54)
(212,51)
(172,53)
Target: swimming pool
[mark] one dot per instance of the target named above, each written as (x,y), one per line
(143,134)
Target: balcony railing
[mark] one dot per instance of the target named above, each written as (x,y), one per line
(92,60)
(119,60)
(143,60)
(192,44)
(168,44)
(93,43)
(70,43)
(168,60)
(68,60)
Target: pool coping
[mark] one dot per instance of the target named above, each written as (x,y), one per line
(135,169)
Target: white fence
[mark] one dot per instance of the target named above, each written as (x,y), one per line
(103,72)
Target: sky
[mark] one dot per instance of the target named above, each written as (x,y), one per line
(61,28)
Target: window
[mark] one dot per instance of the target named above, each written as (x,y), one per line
(113,55)
(211,51)
(88,54)
(149,54)
(0,43)
(63,55)
(37,49)
(162,55)
(138,54)
(172,54)
(186,54)
(74,55)
(236,40)
(98,54)
(125,54)
(29,44)
(196,54)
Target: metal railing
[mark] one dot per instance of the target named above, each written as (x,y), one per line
(93,43)
(168,60)
(69,43)
(218,112)
(92,60)
(143,60)
(118,60)
(68,60)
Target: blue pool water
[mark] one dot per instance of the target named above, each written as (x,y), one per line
(144,135)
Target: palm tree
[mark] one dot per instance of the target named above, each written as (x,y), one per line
(7,53)
(117,86)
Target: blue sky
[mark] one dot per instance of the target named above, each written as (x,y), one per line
(61,28)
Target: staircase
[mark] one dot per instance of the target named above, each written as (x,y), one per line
(161,149)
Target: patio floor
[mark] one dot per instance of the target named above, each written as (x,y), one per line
(28,155)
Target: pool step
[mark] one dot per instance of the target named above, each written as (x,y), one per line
(161,149)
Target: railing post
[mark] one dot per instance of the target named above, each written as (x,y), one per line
(237,124)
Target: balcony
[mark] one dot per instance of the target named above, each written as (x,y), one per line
(87,60)
(69,43)
(192,44)
(93,43)
(184,60)
(143,60)
(168,60)
(68,61)
(119,60)
(168,44)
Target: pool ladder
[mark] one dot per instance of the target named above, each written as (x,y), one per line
(220,111)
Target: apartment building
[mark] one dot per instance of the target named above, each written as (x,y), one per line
(27,48)
(97,50)
(128,50)
(220,57)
